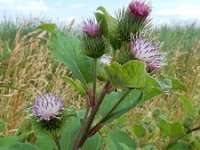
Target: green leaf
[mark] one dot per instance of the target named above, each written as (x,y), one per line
(139,130)
(172,84)
(103,23)
(106,21)
(65,47)
(93,143)
(8,140)
(2,125)
(179,146)
(45,142)
(172,130)
(23,146)
(68,135)
(187,105)
(151,93)
(50,27)
(178,85)
(76,85)
(131,100)
(116,137)
(124,147)
(149,147)
(132,75)
(108,25)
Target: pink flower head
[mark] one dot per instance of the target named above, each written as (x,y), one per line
(47,107)
(147,51)
(139,9)
(91,28)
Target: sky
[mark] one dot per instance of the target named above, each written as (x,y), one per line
(163,11)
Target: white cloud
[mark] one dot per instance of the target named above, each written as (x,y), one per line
(24,6)
(77,6)
(182,11)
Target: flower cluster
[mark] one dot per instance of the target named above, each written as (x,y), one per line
(147,51)
(139,9)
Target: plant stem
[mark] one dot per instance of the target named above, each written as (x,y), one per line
(82,127)
(56,139)
(80,141)
(111,110)
(192,130)
(94,77)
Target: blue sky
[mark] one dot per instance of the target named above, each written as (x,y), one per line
(163,11)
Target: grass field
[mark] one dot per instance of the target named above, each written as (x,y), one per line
(26,69)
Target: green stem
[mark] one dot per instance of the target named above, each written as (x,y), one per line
(56,139)
(94,77)
(91,117)
(112,109)
(82,127)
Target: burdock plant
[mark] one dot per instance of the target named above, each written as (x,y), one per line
(130,64)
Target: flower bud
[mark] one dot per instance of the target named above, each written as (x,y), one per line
(91,28)
(139,9)
(93,43)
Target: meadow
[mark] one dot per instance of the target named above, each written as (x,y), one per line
(28,69)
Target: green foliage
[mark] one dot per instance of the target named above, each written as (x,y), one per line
(108,27)
(188,108)
(167,84)
(69,134)
(173,130)
(50,27)
(171,84)
(23,146)
(118,140)
(178,146)
(149,147)
(131,75)
(131,100)
(45,142)
(139,130)
(151,93)
(93,143)
(76,86)
(2,125)
(65,47)
(8,141)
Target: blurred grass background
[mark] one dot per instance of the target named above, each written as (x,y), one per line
(27,69)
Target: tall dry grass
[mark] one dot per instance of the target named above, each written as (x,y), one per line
(28,71)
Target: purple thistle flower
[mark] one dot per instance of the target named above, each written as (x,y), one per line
(139,9)
(154,66)
(47,106)
(147,51)
(91,28)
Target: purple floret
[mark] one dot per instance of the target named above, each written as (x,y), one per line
(47,106)
(91,28)
(139,9)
